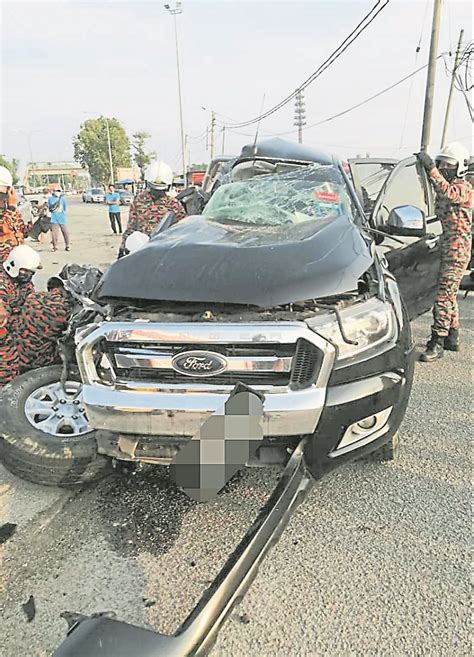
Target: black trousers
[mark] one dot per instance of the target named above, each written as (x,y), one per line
(115,222)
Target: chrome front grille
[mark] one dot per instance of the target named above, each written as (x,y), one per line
(253,364)
(148,407)
(144,355)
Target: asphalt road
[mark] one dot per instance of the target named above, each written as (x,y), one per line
(375,562)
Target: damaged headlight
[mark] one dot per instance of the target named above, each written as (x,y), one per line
(367,325)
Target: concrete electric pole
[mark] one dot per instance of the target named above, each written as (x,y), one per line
(213,126)
(300,114)
(451,89)
(430,80)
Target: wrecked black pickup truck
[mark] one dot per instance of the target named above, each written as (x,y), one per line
(283,284)
(297,282)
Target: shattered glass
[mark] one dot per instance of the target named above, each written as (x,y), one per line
(308,194)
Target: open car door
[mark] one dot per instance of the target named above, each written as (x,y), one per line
(413,257)
(368,176)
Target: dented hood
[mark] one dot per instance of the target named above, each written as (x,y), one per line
(199,260)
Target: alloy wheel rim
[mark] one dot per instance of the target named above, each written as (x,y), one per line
(58,411)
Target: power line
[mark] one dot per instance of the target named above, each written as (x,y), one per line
(356,32)
(346,111)
(198,138)
(463,82)
(417,50)
(367,100)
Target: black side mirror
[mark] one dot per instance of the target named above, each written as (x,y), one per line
(406,220)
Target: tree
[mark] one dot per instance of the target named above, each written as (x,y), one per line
(91,148)
(11,166)
(141,157)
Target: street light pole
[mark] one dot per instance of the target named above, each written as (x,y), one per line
(175,12)
(109,145)
(29,146)
(112,181)
(430,79)
(28,134)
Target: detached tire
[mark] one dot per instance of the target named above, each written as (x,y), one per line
(43,445)
(388,452)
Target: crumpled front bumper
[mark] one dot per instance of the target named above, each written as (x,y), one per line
(178,410)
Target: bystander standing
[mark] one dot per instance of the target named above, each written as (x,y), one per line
(58,207)
(112,200)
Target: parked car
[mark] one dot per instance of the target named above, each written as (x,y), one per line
(283,284)
(126,197)
(94,195)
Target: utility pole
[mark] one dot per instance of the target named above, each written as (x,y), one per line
(451,89)
(175,12)
(111,164)
(300,114)
(223,139)
(29,146)
(430,79)
(213,125)
(188,156)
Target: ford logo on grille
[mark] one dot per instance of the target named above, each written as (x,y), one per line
(199,363)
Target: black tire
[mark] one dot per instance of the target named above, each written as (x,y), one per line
(39,457)
(388,452)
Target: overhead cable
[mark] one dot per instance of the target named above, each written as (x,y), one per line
(356,32)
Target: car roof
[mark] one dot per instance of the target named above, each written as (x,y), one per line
(282,150)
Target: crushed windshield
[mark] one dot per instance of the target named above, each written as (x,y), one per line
(311,193)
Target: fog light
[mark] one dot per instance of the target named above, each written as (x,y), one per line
(368,422)
(363,431)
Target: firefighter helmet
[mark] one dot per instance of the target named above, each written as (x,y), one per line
(454,154)
(21,257)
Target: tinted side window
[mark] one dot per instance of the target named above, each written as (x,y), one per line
(372,176)
(406,187)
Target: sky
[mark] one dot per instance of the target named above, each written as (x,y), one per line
(64,61)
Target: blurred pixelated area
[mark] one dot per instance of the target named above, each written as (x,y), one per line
(222,446)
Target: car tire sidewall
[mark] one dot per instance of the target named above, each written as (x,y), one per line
(19,437)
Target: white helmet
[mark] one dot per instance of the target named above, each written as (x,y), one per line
(135,241)
(454,153)
(6,179)
(159,175)
(21,257)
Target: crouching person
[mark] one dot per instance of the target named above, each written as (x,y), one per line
(31,323)
(43,320)
(16,274)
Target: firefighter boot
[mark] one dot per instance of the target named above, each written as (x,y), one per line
(434,348)
(451,341)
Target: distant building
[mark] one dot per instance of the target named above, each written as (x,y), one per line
(128,173)
(68,175)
